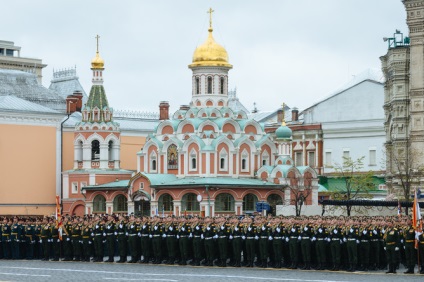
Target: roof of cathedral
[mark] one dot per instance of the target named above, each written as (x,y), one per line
(109,185)
(97,98)
(25,86)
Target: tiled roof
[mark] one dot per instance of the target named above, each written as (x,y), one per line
(13,103)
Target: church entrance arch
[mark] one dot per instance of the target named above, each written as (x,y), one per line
(141,204)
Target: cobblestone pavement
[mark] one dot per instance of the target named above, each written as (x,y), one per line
(21,270)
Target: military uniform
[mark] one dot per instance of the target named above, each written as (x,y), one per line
(156,233)
(336,238)
(170,235)
(183,233)
(277,243)
(55,242)
(146,241)
(121,230)
(15,237)
(421,250)
(293,240)
(352,241)
(209,233)
(30,240)
(45,241)
(99,236)
(237,237)
(364,248)
(6,230)
(263,232)
(375,248)
(67,241)
(132,238)
(250,235)
(110,239)
(409,242)
(391,245)
(87,242)
(76,241)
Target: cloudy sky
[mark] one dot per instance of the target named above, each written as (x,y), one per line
(295,51)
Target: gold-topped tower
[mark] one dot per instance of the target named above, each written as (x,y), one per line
(210,53)
(97,63)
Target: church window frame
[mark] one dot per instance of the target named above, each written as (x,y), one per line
(193,160)
(197,85)
(265,158)
(74,188)
(223,160)
(221,85)
(153,162)
(110,151)
(79,151)
(209,85)
(245,161)
(95,150)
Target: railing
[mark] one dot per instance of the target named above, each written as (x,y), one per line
(135,114)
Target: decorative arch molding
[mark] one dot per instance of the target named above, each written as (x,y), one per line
(116,193)
(79,138)
(233,123)
(248,142)
(224,139)
(183,123)
(285,170)
(92,196)
(76,204)
(225,191)
(152,142)
(95,136)
(193,139)
(274,192)
(169,142)
(310,170)
(208,122)
(136,176)
(255,124)
(162,192)
(112,137)
(251,191)
(163,124)
(187,191)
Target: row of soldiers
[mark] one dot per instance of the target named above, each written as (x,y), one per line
(354,243)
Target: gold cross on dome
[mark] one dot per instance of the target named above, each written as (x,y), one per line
(97,38)
(210,11)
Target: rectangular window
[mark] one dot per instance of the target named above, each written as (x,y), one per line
(346,153)
(373,157)
(141,186)
(311,159)
(299,158)
(74,187)
(328,162)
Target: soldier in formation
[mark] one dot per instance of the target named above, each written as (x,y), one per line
(333,243)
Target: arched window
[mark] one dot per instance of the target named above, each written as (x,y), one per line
(274,200)
(197,85)
(110,150)
(99,204)
(95,150)
(223,160)
(154,165)
(189,203)
(222,164)
(224,202)
(249,203)
(209,85)
(221,88)
(165,203)
(193,163)
(193,160)
(78,153)
(153,162)
(120,204)
(245,161)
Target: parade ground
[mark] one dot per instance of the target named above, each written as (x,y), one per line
(21,270)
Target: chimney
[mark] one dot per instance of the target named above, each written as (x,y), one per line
(280,116)
(71,104)
(78,95)
(295,114)
(163,110)
(184,107)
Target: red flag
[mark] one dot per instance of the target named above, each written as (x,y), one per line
(58,217)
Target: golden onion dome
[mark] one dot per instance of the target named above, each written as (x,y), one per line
(210,54)
(97,62)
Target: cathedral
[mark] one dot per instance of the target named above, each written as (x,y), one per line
(205,159)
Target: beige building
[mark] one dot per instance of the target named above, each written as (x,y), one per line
(10,58)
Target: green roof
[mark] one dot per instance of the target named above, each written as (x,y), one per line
(166,180)
(97,98)
(110,185)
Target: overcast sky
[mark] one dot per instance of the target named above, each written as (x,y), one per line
(295,51)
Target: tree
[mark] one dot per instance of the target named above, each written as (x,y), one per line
(402,169)
(357,184)
(299,192)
